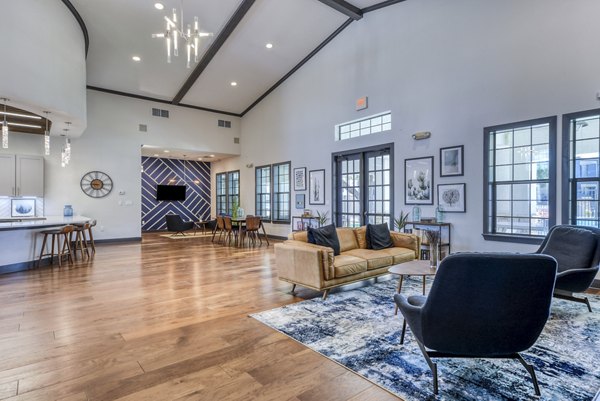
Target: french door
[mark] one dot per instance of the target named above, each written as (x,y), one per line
(364,186)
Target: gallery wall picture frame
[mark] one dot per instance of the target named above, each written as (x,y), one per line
(300,201)
(418,181)
(452,162)
(452,197)
(300,179)
(316,190)
(22,207)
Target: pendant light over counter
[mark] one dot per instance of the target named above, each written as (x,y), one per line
(4,127)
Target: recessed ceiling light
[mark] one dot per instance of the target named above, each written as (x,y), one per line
(156,155)
(269,45)
(166,151)
(136,58)
(211,156)
(200,158)
(158,6)
(234,83)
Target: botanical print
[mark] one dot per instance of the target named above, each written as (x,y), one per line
(418,181)
(316,195)
(451,197)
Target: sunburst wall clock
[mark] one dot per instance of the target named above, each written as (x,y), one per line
(96,184)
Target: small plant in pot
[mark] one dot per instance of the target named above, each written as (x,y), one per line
(401,220)
(323,218)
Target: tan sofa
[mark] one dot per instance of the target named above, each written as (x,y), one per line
(314,266)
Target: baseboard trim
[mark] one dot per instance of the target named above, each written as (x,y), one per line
(118,240)
(596,284)
(23,266)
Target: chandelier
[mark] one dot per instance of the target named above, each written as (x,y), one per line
(47,136)
(65,155)
(175,32)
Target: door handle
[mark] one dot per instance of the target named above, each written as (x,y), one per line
(18,191)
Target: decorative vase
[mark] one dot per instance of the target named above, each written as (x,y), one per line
(439,214)
(68,211)
(433,255)
(240,212)
(416,213)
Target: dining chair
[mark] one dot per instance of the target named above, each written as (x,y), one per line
(251,230)
(228,230)
(264,232)
(219,228)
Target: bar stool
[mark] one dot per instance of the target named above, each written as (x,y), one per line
(56,234)
(91,236)
(80,239)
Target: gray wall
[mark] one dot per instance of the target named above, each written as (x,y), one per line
(449,67)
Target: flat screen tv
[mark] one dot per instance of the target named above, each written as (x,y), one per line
(170,192)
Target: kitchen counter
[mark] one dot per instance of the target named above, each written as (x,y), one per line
(20,240)
(40,222)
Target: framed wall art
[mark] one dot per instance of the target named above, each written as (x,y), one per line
(22,207)
(299,201)
(300,179)
(451,198)
(452,161)
(316,190)
(418,181)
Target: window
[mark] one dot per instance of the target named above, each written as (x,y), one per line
(366,126)
(228,192)
(520,183)
(581,177)
(273,192)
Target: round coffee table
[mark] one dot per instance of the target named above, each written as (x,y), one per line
(412,268)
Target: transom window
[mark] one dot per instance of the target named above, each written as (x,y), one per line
(520,180)
(366,126)
(583,145)
(273,192)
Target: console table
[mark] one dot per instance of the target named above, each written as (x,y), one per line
(417,227)
(301,223)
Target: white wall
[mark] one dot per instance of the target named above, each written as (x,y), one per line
(449,67)
(112,144)
(43,61)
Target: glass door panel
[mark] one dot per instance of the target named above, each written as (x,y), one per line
(349,191)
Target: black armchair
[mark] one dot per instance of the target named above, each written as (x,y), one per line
(177,225)
(482,306)
(577,251)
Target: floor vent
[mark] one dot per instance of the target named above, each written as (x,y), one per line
(160,113)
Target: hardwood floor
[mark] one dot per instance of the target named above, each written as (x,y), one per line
(161,320)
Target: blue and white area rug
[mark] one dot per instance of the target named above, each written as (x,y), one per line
(358,329)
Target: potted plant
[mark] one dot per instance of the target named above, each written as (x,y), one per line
(401,220)
(322,218)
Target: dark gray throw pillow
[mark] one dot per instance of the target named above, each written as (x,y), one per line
(325,236)
(378,236)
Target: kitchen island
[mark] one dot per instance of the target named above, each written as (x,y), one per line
(20,242)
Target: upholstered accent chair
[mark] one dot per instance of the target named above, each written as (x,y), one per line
(577,251)
(480,305)
(177,225)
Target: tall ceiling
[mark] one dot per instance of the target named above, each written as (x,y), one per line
(119,30)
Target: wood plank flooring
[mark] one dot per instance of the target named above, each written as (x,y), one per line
(161,320)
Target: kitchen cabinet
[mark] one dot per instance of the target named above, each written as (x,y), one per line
(21,175)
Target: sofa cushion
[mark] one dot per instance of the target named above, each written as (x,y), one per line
(361,237)
(399,255)
(347,265)
(299,236)
(347,239)
(378,236)
(325,236)
(375,259)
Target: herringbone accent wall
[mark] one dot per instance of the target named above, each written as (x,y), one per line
(156,171)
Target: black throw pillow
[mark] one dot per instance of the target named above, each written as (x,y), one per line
(378,236)
(325,236)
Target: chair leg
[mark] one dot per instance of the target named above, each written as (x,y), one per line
(432,366)
(52,249)
(325,293)
(403,332)
(531,372)
(70,254)
(42,251)
(571,297)
(92,241)
(293,289)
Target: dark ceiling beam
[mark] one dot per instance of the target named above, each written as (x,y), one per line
(213,49)
(300,64)
(380,5)
(164,101)
(345,8)
(86,36)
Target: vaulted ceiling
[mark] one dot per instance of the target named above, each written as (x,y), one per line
(119,30)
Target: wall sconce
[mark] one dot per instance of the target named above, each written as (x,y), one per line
(417,136)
